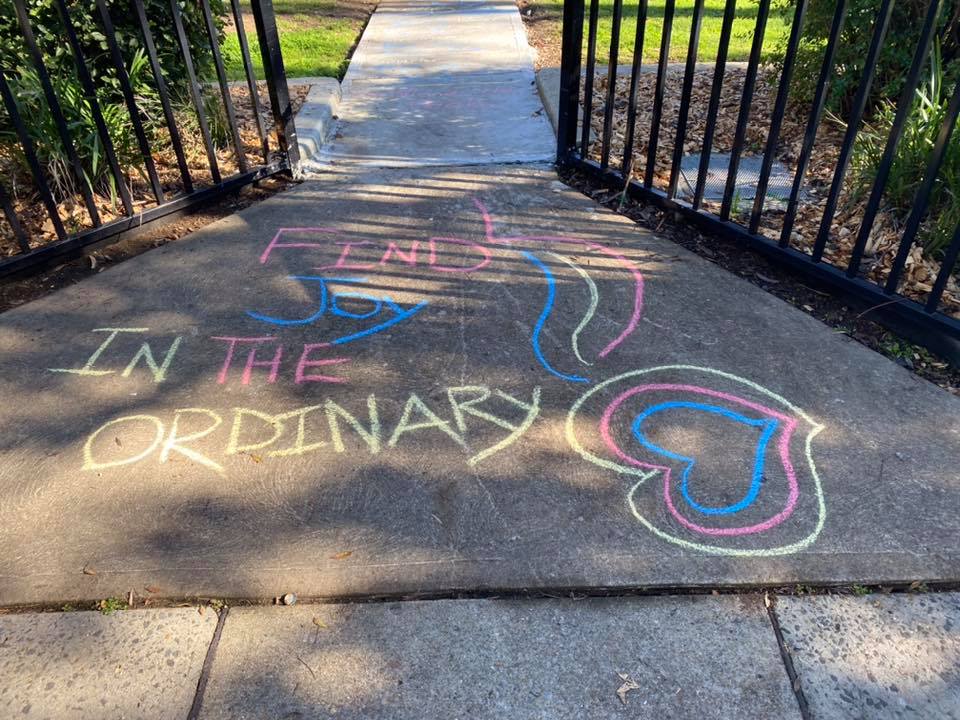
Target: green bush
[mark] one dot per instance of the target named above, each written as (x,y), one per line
(78,112)
(927,112)
(48,29)
(47,25)
(895,57)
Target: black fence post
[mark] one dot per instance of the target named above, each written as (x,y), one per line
(569,79)
(276,75)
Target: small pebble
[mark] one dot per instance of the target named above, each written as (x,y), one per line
(289,599)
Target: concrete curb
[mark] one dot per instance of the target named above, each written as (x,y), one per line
(318,115)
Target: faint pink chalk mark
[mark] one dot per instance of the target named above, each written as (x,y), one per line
(222,376)
(305,362)
(275,242)
(487,255)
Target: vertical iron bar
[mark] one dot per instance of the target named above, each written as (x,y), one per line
(195,91)
(638,40)
(251,78)
(853,127)
(30,154)
(813,121)
(224,86)
(14,221)
(779,110)
(611,83)
(59,120)
(922,198)
(572,47)
(130,100)
(90,91)
(588,81)
(904,106)
(668,12)
(729,13)
(946,268)
(276,75)
(688,77)
(746,100)
(164,96)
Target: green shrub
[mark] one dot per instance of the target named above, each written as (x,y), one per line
(78,112)
(47,25)
(895,57)
(48,29)
(910,160)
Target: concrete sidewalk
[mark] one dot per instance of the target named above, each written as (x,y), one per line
(880,656)
(442,83)
(433,379)
(442,379)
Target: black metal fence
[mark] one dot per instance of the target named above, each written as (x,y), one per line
(732,148)
(105,130)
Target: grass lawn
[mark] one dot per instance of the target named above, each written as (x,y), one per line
(778,27)
(316,37)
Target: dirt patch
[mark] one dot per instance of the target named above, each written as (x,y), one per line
(544,26)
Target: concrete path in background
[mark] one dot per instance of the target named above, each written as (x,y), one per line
(441,83)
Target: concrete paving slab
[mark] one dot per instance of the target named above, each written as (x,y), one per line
(676,657)
(82,665)
(878,657)
(478,118)
(423,39)
(453,378)
(442,84)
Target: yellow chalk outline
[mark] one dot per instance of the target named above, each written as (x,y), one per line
(372,438)
(711,549)
(298,448)
(533,412)
(594,301)
(172,443)
(433,421)
(88,461)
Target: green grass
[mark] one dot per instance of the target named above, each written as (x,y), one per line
(778,27)
(316,38)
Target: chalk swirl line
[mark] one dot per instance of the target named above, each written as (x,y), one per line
(544,315)
(767,426)
(635,316)
(783,447)
(591,309)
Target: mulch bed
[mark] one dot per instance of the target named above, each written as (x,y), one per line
(543,24)
(543,32)
(14,292)
(920,271)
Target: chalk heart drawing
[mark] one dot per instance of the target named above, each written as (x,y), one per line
(776,503)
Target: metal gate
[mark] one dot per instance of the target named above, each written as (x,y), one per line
(631,158)
(85,118)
